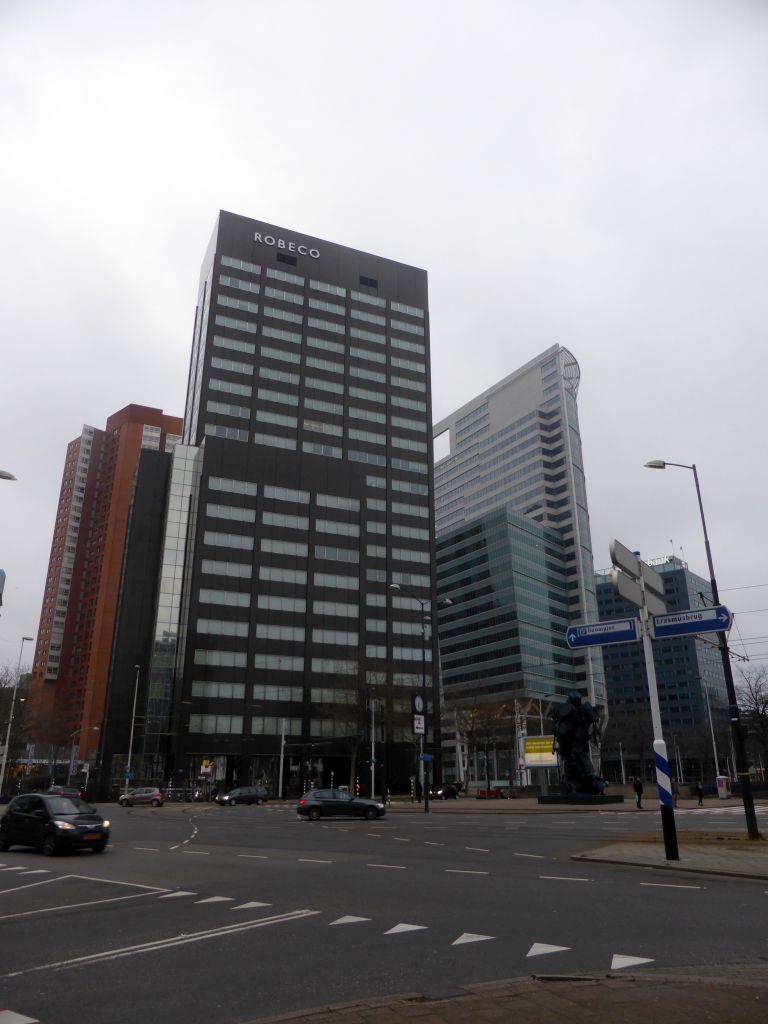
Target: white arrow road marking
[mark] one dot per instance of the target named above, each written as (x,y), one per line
(541,948)
(251,905)
(406,928)
(177,940)
(349,919)
(619,961)
(469,937)
(9,1017)
(179,892)
(216,899)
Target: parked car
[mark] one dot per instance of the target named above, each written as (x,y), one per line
(144,795)
(53,824)
(244,795)
(446,792)
(325,803)
(66,791)
(492,794)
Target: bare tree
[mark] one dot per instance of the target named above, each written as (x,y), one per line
(752,698)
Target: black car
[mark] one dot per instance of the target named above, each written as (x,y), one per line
(66,791)
(323,803)
(446,792)
(53,824)
(244,795)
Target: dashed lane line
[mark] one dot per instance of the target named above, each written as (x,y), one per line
(533,856)
(461,871)
(313,860)
(477,849)
(253,856)
(393,867)
(564,878)
(665,885)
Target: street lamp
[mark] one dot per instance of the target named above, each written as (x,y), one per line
(425,620)
(73,736)
(133,722)
(742,765)
(13,704)
(5,475)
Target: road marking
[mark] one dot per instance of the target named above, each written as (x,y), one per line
(375,835)
(349,919)
(19,867)
(38,871)
(459,871)
(427,843)
(252,904)
(399,840)
(253,856)
(542,948)
(396,867)
(216,899)
(665,885)
(470,937)
(197,853)
(10,1017)
(147,849)
(176,940)
(477,849)
(620,961)
(71,906)
(174,847)
(400,928)
(31,885)
(172,895)
(535,856)
(564,878)
(313,860)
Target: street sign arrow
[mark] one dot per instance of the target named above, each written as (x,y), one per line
(698,620)
(599,634)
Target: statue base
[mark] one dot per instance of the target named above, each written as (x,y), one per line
(581,798)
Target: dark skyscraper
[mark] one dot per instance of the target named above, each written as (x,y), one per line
(301,492)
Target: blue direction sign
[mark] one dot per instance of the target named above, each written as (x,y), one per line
(599,634)
(698,620)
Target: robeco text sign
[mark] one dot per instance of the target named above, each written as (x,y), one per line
(280,243)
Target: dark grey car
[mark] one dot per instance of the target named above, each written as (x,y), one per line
(244,795)
(325,803)
(53,824)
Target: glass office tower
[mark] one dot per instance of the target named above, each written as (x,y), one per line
(517,447)
(302,491)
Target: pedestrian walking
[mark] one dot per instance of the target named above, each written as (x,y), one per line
(700,794)
(638,788)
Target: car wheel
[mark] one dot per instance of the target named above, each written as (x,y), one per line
(259,803)
(4,844)
(155,803)
(233,803)
(371,813)
(314,813)
(123,802)
(99,848)
(49,845)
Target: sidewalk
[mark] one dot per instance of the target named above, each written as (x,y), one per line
(737,995)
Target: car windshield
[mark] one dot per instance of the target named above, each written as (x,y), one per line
(68,805)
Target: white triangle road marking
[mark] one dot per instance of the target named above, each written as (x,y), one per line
(251,905)
(349,919)
(406,928)
(470,937)
(540,948)
(179,892)
(217,899)
(619,961)
(9,1017)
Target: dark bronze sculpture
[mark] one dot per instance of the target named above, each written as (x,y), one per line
(576,724)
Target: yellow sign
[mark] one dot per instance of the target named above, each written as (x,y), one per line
(538,753)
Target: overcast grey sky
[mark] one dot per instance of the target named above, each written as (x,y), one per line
(586,172)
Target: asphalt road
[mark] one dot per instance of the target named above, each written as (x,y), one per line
(212,915)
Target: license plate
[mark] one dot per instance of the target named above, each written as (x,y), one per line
(92,835)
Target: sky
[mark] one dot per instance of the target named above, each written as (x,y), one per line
(590,173)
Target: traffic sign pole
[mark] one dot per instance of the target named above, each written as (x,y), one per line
(661,762)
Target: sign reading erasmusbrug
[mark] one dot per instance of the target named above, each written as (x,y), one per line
(538,752)
(280,243)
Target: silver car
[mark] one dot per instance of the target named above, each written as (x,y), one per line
(144,795)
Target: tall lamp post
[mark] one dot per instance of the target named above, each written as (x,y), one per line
(742,765)
(133,722)
(13,705)
(425,622)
